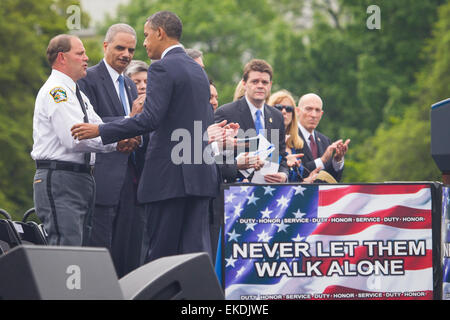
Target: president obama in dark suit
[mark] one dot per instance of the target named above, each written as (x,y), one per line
(176,195)
(251,112)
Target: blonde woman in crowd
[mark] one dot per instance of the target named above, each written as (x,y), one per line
(284,102)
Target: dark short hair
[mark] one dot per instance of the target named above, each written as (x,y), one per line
(168,21)
(59,43)
(257,65)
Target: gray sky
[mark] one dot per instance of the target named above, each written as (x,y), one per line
(98,8)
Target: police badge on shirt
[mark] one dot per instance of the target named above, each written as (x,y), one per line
(58,94)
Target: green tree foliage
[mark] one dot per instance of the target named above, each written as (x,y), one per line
(377,85)
(400,149)
(229,33)
(26,27)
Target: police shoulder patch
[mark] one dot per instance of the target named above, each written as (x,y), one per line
(58,94)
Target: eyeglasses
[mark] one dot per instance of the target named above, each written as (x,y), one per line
(287,108)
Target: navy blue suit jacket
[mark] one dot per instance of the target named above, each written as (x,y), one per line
(239,112)
(110,168)
(322,142)
(177,102)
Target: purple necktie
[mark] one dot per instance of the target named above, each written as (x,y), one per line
(313,146)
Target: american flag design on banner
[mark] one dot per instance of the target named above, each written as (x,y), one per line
(328,242)
(446,243)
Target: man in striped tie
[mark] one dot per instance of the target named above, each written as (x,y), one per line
(254,116)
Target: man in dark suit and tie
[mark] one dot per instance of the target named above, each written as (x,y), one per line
(251,112)
(176,193)
(318,149)
(116,174)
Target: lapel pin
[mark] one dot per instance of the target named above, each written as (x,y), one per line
(270,120)
(318,139)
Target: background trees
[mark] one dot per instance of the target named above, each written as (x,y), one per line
(377,85)
(26,27)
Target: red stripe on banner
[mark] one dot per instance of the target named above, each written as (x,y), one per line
(330,196)
(408,218)
(410,262)
(344,293)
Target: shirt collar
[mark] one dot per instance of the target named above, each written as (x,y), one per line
(252,107)
(68,81)
(170,48)
(305,132)
(113,73)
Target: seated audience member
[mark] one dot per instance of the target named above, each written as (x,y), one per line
(137,71)
(283,101)
(319,151)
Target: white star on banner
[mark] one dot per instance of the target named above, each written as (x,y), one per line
(298,238)
(268,190)
(298,214)
(264,237)
(230,261)
(283,202)
(299,189)
(244,188)
(238,209)
(233,236)
(266,213)
(282,226)
(230,197)
(250,226)
(252,199)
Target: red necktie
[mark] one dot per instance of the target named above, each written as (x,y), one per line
(313,146)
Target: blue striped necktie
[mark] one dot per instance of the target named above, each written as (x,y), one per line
(258,121)
(122,95)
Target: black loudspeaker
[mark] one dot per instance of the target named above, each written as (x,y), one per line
(181,277)
(440,133)
(58,273)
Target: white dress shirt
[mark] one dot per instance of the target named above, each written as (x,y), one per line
(115,79)
(253,110)
(170,48)
(319,163)
(57,109)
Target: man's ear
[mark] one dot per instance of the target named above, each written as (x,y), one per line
(160,33)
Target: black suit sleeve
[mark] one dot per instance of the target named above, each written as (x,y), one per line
(151,117)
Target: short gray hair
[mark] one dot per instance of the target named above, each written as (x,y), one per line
(136,66)
(194,53)
(117,28)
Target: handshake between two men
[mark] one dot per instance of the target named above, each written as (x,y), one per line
(225,136)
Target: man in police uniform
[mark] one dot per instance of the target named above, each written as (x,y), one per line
(64,187)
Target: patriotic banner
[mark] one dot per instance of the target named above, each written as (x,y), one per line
(446,243)
(328,242)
